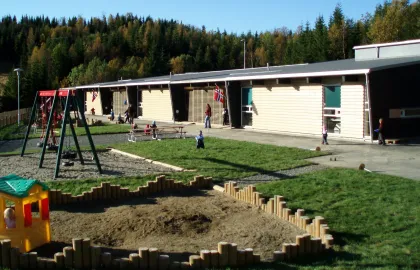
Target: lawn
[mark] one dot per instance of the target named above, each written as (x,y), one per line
(13,132)
(374,218)
(222,159)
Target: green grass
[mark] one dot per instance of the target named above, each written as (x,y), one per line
(222,159)
(374,218)
(13,132)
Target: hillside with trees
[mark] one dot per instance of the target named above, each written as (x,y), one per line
(74,51)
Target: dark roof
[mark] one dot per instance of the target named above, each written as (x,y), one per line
(330,68)
(17,186)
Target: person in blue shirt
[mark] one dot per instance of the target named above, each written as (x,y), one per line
(200,140)
(112,115)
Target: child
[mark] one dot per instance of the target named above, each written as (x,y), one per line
(153,127)
(120,120)
(92,111)
(225,116)
(112,115)
(207,123)
(380,130)
(10,218)
(200,140)
(324,135)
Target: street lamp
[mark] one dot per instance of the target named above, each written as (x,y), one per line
(244,41)
(18,71)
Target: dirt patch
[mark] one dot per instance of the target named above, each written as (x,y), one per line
(178,223)
(113,165)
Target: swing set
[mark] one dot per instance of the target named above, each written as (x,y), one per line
(67,98)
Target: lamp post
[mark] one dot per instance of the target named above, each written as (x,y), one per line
(18,71)
(244,41)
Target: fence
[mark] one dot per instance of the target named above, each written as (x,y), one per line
(11,117)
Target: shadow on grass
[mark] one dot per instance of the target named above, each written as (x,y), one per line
(238,166)
(100,206)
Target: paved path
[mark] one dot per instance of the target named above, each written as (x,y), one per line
(399,160)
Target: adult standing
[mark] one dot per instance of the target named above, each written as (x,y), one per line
(207,123)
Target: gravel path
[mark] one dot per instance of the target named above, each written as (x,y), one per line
(279,175)
(113,165)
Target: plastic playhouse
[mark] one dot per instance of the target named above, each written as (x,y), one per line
(25,196)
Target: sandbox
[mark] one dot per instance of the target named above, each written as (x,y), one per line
(180,223)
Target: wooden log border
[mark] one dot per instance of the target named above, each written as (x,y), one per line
(107,191)
(316,240)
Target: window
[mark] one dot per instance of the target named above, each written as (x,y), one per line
(332,96)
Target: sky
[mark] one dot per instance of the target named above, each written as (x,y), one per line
(234,16)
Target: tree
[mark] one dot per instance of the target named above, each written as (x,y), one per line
(320,40)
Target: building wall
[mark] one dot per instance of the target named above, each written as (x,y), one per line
(287,108)
(157,105)
(197,106)
(118,98)
(97,104)
(352,110)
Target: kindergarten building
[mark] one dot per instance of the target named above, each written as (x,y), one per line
(348,96)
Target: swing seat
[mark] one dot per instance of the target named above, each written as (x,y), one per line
(67,163)
(52,147)
(40,144)
(68,155)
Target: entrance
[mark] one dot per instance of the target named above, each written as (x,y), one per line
(246,108)
(332,108)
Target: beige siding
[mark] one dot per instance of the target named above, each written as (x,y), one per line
(352,107)
(96,104)
(157,105)
(295,109)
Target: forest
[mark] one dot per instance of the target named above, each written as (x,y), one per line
(76,51)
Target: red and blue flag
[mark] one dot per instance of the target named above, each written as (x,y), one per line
(218,95)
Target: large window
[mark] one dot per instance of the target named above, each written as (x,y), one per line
(332,96)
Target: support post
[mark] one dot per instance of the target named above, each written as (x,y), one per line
(62,136)
(76,142)
(228,103)
(370,109)
(47,133)
(92,146)
(31,118)
(172,102)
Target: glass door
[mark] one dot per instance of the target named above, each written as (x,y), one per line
(246,108)
(332,108)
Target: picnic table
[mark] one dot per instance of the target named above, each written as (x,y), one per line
(161,131)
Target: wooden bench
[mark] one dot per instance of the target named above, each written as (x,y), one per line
(161,132)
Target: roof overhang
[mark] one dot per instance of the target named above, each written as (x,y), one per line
(278,76)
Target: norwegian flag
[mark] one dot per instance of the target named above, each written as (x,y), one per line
(218,95)
(94,95)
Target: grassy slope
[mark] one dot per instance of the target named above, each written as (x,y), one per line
(374,218)
(222,159)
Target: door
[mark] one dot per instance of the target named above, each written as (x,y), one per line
(332,108)
(246,108)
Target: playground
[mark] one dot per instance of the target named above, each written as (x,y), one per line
(113,165)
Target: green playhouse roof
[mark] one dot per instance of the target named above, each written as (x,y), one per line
(17,186)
